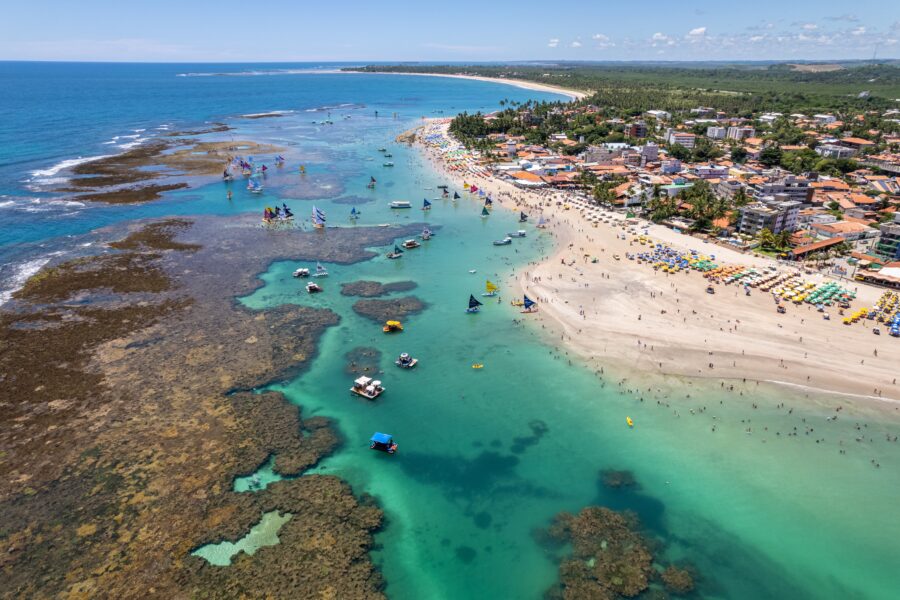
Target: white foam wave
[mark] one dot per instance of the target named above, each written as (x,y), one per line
(269,113)
(20,275)
(66,164)
(132,144)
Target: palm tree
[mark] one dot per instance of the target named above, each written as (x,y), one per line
(766,238)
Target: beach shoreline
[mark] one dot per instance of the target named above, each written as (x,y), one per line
(519,83)
(629,318)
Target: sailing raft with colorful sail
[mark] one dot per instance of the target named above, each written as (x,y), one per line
(318,218)
(490,289)
(484,212)
(354,214)
(426,205)
(473,304)
(530,305)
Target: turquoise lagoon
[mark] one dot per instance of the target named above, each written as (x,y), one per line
(489,456)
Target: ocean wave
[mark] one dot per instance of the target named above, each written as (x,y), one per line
(20,274)
(343,106)
(36,205)
(66,164)
(268,114)
(132,144)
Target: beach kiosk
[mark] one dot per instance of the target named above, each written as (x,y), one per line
(383,442)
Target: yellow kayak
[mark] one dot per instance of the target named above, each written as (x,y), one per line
(478,366)
(629,421)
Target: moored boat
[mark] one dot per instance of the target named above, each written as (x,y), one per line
(313,288)
(410,244)
(321,271)
(392,326)
(367,388)
(426,205)
(383,442)
(405,361)
(400,204)
(529,304)
(397,253)
(301,272)
(490,289)
(504,242)
(517,234)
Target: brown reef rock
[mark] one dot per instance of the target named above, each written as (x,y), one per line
(374,289)
(128,411)
(385,310)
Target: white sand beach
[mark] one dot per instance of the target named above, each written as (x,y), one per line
(628,316)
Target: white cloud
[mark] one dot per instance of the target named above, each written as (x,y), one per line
(575,44)
(697,32)
(553,43)
(602,40)
(757,38)
(810,26)
(858,31)
(661,39)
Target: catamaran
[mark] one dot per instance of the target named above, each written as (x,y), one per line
(400,204)
(490,289)
(321,271)
(426,205)
(473,304)
(410,244)
(301,272)
(318,218)
(397,253)
(426,234)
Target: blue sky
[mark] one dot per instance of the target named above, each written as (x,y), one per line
(461,30)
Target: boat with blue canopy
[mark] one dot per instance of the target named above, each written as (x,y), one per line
(383,442)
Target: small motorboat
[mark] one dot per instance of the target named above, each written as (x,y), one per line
(382,149)
(397,253)
(400,204)
(477,366)
(367,387)
(388,164)
(504,242)
(301,272)
(517,234)
(405,361)
(426,234)
(313,288)
(410,244)
(383,442)
(388,155)
(392,326)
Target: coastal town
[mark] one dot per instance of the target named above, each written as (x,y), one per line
(793,246)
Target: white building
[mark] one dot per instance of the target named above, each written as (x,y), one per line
(770,117)
(659,115)
(716,133)
(681,138)
(824,119)
(740,133)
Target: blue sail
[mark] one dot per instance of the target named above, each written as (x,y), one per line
(473,303)
(426,203)
(529,302)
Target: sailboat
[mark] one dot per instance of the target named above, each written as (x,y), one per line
(484,212)
(397,253)
(354,214)
(456,195)
(426,205)
(523,217)
(488,202)
(318,218)
(542,223)
(320,270)
(491,289)
(371,184)
(254,186)
(530,305)
(473,304)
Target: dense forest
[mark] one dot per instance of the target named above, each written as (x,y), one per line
(740,91)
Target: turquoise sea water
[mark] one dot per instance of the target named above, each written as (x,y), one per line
(486,456)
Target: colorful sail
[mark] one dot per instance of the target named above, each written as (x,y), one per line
(490,287)
(318,217)
(354,213)
(523,217)
(473,303)
(529,302)
(484,211)
(426,205)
